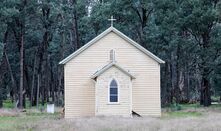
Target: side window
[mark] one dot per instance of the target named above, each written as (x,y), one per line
(113,91)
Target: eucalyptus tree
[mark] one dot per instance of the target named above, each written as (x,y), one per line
(202,19)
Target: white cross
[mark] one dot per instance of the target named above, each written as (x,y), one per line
(112,20)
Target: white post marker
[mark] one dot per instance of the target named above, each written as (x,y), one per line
(112,20)
(50,108)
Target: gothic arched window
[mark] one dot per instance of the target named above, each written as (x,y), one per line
(113,91)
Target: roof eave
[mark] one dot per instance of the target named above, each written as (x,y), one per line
(109,66)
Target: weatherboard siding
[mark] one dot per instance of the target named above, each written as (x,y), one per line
(80,88)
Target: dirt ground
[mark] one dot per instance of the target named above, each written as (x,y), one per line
(202,119)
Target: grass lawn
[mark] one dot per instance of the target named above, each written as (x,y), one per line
(188,118)
(182,114)
(20,122)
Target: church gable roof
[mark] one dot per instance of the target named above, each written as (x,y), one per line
(111,29)
(108,66)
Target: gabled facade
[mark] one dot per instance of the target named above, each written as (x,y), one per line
(98,82)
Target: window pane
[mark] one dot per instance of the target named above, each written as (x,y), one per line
(113,98)
(113,90)
(113,86)
(113,94)
(113,83)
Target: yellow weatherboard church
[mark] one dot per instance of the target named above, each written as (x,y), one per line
(112,75)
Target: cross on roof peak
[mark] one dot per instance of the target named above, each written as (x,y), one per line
(112,20)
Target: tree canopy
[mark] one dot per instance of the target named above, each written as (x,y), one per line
(36,34)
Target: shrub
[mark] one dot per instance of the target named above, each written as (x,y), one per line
(175,107)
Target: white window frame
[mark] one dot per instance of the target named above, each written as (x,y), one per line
(118,91)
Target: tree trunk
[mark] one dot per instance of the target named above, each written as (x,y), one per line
(143,14)
(205,85)
(42,94)
(42,53)
(1,99)
(174,77)
(186,82)
(60,68)
(7,66)
(33,80)
(206,95)
(47,79)
(178,75)
(75,34)
(3,66)
(21,73)
(14,85)
(169,89)
(52,86)
(38,88)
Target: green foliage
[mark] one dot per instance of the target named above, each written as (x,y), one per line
(188,106)
(174,30)
(216,106)
(184,114)
(30,113)
(8,104)
(181,107)
(175,107)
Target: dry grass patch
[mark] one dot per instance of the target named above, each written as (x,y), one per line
(207,121)
(191,119)
(8,112)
